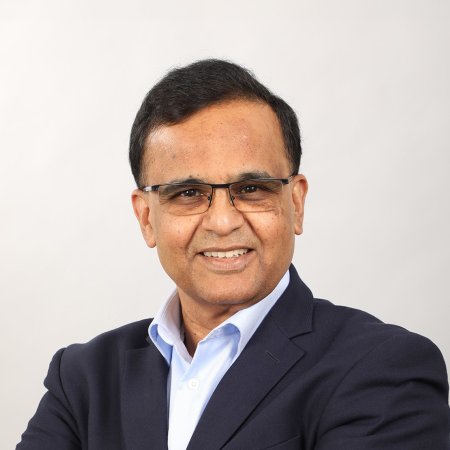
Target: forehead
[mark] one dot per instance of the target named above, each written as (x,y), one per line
(218,143)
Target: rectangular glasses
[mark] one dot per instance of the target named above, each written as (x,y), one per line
(253,195)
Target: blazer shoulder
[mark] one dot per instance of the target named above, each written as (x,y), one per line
(347,322)
(354,334)
(131,335)
(106,350)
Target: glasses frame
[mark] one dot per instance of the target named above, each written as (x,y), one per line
(214,186)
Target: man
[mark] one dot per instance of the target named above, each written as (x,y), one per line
(241,356)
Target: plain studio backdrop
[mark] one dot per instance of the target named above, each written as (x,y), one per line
(370,83)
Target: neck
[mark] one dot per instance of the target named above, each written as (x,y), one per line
(198,320)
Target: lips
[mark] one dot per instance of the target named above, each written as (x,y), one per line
(235,253)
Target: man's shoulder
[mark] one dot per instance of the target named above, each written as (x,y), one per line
(322,321)
(341,316)
(108,349)
(347,323)
(131,335)
(356,334)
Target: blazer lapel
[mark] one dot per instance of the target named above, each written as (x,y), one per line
(144,400)
(267,357)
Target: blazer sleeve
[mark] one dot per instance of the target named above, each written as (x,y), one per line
(395,397)
(53,427)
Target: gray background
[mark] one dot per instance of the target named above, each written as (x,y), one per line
(370,83)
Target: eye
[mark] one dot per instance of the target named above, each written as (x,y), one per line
(254,187)
(191,192)
(183,193)
(248,189)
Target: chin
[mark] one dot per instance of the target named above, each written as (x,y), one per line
(234,296)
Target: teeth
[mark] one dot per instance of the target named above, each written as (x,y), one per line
(230,254)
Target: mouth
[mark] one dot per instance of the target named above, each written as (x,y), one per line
(235,253)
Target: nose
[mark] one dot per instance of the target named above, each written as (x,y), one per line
(222,217)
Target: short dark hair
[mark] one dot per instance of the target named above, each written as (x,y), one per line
(186,90)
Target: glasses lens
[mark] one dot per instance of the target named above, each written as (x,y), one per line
(185,199)
(256,195)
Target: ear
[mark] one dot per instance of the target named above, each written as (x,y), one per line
(299,191)
(141,209)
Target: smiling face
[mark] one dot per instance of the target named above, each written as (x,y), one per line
(222,257)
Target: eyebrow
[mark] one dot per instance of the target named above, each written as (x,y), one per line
(253,175)
(240,177)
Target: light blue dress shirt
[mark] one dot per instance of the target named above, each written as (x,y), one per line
(192,380)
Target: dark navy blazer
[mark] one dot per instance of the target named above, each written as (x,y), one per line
(313,376)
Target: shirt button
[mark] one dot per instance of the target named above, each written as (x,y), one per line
(193,383)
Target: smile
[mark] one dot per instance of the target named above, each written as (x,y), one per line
(229,254)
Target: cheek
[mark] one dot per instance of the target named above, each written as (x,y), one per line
(275,230)
(173,236)
(171,245)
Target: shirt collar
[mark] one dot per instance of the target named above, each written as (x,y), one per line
(165,329)
(166,332)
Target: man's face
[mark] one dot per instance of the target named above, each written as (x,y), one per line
(218,145)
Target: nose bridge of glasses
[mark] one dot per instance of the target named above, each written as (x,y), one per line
(227,193)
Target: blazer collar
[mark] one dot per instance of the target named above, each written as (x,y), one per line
(293,312)
(269,354)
